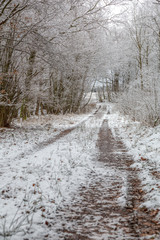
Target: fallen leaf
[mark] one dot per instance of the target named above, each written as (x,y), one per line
(154,213)
(47,223)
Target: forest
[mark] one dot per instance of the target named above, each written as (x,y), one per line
(79,119)
(53,53)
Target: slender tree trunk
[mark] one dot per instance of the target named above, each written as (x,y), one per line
(159,51)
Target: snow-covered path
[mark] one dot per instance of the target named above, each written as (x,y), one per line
(105,207)
(78,187)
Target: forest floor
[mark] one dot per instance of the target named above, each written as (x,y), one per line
(80,177)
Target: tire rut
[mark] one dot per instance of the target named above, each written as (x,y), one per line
(102,209)
(107,206)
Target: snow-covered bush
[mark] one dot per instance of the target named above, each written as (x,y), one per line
(142,104)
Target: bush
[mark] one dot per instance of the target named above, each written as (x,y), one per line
(142,105)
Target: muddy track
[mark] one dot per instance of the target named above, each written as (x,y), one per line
(113,153)
(108,207)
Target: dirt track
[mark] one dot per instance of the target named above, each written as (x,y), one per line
(98,211)
(108,207)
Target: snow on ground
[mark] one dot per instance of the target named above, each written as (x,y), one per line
(33,186)
(144,144)
(17,142)
(34,182)
(26,135)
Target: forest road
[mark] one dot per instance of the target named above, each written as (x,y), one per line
(108,206)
